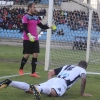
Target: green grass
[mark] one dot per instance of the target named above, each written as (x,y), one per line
(9,64)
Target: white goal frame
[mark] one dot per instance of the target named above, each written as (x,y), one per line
(50,16)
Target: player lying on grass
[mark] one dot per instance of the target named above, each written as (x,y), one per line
(57,86)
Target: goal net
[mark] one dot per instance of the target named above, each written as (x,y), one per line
(77,36)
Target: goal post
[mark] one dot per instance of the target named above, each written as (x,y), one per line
(89,35)
(60,49)
(47,53)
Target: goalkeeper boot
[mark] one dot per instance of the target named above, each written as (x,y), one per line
(35,92)
(21,72)
(35,75)
(5,83)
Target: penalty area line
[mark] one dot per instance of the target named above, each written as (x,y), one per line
(2,77)
(13,75)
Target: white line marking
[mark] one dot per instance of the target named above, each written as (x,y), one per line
(95,60)
(3,77)
(95,73)
(12,75)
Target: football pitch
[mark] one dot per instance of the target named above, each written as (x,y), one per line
(10,57)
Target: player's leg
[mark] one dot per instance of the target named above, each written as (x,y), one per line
(36,92)
(16,84)
(53,87)
(58,87)
(45,87)
(34,51)
(26,52)
(5,83)
(21,85)
(41,88)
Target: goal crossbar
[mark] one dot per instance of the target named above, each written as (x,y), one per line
(85,5)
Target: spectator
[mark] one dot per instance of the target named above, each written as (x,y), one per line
(44,11)
(61,32)
(58,32)
(21,28)
(21,2)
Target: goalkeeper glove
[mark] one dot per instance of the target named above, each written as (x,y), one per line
(53,27)
(31,38)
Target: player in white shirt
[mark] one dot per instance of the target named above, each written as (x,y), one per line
(57,86)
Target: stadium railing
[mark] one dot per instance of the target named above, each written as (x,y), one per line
(6,3)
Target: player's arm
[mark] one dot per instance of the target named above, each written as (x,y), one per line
(53,72)
(43,26)
(83,85)
(25,28)
(25,25)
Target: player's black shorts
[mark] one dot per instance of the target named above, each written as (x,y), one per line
(30,47)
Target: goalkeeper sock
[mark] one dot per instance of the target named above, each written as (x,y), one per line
(23,62)
(34,63)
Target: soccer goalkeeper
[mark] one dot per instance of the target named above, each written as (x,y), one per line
(66,77)
(30,39)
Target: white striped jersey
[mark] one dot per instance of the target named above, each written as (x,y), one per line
(70,73)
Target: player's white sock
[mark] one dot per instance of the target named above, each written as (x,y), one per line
(44,89)
(20,85)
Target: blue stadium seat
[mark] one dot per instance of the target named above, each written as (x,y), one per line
(40,37)
(19,35)
(5,30)
(44,2)
(2,34)
(16,35)
(11,31)
(30,1)
(59,2)
(44,33)
(1,30)
(52,38)
(43,37)
(15,31)
(8,30)
(6,35)
(9,35)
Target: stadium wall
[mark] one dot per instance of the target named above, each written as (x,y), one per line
(71,6)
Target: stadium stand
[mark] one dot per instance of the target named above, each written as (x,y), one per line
(11,23)
(72,24)
(69,23)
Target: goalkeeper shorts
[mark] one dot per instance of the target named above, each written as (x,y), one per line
(30,47)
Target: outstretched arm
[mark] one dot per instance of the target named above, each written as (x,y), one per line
(43,26)
(83,84)
(54,72)
(51,74)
